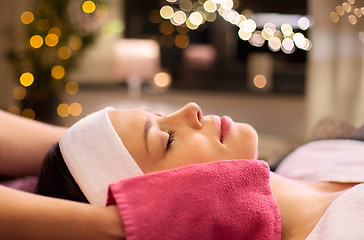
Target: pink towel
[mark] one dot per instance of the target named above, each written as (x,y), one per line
(219,200)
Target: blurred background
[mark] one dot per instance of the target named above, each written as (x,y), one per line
(280,66)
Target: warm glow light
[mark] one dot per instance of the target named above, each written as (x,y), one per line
(166,28)
(334,16)
(267,33)
(162,79)
(36,41)
(340,10)
(274,44)
(64,52)
(51,40)
(351,2)
(72,88)
(63,110)
(75,109)
(28,113)
(26,79)
(248,25)
(55,30)
(352,19)
(27,17)
(185,5)
(179,18)
(257,40)
(196,18)
(182,41)
(190,25)
(58,72)
(75,43)
(286,29)
(166,12)
(88,6)
(347,7)
(287,45)
(260,81)
(14,110)
(171,1)
(19,93)
(211,17)
(299,39)
(210,6)
(304,23)
(358,12)
(227,4)
(244,35)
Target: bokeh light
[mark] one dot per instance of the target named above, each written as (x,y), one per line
(51,40)
(63,110)
(162,79)
(166,12)
(14,109)
(27,17)
(166,28)
(257,39)
(26,79)
(42,25)
(286,29)
(88,7)
(64,53)
(274,44)
(75,109)
(55,30)
(185,5)
(179,18)
(182,41)
(36,41)
(28,113)
(304,23)
(58,72)
(210,6)
(75,43)
(19,93)
(334,16)
(260,81)
(352,19)
(72,87)
(196,18)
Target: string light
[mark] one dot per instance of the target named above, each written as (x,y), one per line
(180,13)
(26,79)
(19,93)
(58,72)
(347,7)
(51,40)
(36,41)
(28,113)
(27,17)
(88,7)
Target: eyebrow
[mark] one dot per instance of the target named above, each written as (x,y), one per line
(148,125)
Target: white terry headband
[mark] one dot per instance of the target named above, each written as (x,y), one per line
(96,156)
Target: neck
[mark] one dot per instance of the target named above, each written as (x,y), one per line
(301,204)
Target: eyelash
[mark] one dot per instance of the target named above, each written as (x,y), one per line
(170,139)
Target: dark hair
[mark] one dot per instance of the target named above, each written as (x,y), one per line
(55,180)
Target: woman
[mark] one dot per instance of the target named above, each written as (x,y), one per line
(150,142)
(24,144)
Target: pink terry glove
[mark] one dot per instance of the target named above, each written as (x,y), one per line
(218,200)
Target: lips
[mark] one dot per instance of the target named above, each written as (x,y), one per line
(225,124)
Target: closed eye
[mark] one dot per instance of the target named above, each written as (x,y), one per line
(170,139)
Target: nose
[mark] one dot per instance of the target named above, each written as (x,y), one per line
(190,114)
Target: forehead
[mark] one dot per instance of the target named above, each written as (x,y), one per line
(125,119)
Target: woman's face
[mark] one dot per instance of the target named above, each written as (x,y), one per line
(159,142)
